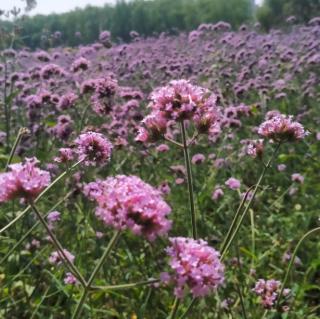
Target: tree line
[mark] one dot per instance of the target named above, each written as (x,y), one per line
(148,17)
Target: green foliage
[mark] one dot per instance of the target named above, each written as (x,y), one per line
(275,12)
(145,17)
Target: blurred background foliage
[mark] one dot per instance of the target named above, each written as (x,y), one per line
(149,17)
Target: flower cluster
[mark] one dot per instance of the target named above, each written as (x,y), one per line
(93,148)
(80,64)
(178,101)
(195,265)
(103,89)
(282,128)
(268,291)
(24,180)
(126,202)
(56,257)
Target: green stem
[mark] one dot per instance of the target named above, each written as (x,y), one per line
(172,141)
(174,309)
(103,258)
(253,238)
(184,315)
(284,282)
(17,218)
(6,108)
(189,179)
(235,219)
(22,132)
(127,286)
(241,301)
(83,117)
(232,237)
(59,247)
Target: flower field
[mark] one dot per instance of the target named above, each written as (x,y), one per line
(175,176)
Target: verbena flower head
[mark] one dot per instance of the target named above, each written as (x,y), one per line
(195,266)
(126,202)
(179,100)
(93,148)
(282,128)
(233,183)
(53,216)
(296,177)
(24,180)
(70,279)
(56,257)
(268,291)
(255,148)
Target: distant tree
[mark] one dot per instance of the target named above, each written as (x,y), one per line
(275,12)
(144,16)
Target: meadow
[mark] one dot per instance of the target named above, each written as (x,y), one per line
(174,176)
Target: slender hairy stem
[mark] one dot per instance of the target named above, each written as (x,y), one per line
(17,218)
(59,247)
(103,258)
(185,314)
(232,237)
(127,286)
(241,301)
(83,117)
(303,238)
(17,244)
(22,132)
(6,107)
(189,178)
(253,238)
(235,219)
(172,141)
(174,309)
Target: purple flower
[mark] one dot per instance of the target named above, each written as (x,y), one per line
(195,266)
(282,167)
(198,159)
(233,183)
(281,128)
(53,216)
(217,194)
(70,279)
(93,148)
(126,202)
(24,180)
(56,257)
(296,177)
(268,291)
(163,148)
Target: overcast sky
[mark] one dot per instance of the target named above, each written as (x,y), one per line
(57,6)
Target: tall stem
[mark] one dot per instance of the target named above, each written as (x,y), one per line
(232,237)
(22,132)
(127,286)
(303,238)
(87,287)
(189,180)
(59,247)
(6,108)
(184,315)
(174,309)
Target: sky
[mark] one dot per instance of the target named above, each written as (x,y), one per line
(57,6)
